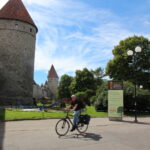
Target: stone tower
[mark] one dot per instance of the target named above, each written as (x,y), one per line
(53,82)
(17,50)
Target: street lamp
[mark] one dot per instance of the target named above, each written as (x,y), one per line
(132,53)
(141,86)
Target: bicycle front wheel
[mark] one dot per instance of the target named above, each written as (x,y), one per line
(62,127)
(82,128)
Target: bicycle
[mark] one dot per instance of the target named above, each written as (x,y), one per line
(63,125)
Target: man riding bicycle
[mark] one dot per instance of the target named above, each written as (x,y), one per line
(76,107)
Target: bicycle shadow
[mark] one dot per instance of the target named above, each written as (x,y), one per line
(84,136)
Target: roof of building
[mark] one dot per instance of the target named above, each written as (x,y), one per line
(15,10)
(52,73)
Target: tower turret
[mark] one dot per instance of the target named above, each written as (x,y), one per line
(53,82)
(17,51)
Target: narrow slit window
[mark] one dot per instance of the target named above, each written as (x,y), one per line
(16,25)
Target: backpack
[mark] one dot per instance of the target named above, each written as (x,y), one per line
(85,119)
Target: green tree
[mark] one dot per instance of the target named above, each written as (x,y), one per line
(128,88)
(101,99)
(85,96)
(98,75)
(121,66)
(143,98)
(72,87)
(63,88)
(83,80)
(81,95)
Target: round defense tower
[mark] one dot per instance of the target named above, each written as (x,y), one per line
(53,82)
(17,51)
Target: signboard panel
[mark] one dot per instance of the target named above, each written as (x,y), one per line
(115,85)
(115,104)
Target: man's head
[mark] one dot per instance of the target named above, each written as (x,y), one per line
(73,97)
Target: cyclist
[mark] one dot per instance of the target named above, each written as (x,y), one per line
(76,107)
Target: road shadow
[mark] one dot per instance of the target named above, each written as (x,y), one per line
(2,127)
(84,136)
(132,122)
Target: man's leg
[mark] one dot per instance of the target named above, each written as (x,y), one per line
(75,119)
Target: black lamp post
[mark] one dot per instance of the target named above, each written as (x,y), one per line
(132,53)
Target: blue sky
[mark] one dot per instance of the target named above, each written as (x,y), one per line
(74,34)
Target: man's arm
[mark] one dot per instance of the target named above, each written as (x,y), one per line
(74,108)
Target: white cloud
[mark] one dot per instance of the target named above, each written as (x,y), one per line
(2,3)
(77,35)
(73,35)
(112,33)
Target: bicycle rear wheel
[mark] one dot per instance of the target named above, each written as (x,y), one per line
(82,128)
(62,127)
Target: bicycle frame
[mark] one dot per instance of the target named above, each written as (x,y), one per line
(68,118)
(81,128)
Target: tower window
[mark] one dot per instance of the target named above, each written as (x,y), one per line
(16,25)
(30,29)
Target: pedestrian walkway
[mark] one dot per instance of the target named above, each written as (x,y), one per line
(102,134)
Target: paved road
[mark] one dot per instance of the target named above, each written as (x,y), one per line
(101,135)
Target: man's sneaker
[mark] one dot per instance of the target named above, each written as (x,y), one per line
(73,128)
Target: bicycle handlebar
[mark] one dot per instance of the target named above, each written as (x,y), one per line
(67,112)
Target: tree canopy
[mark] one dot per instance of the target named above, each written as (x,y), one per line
(83,80)
(122,66)
(98,75)
(63,88)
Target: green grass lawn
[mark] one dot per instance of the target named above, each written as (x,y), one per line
(14,114)
(93,113)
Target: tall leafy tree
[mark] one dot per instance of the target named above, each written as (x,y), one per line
(122,66)
(63,88)
(101,98)
(98,75)
(83,80)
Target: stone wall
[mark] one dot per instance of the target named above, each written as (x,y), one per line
(17,50)
(39,92)
(52,85)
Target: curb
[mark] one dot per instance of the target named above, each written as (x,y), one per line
(61,118)
(40,119)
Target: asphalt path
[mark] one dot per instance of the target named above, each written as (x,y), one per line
(102,134)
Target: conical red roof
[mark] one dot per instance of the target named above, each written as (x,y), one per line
(15,9)
(52,73)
